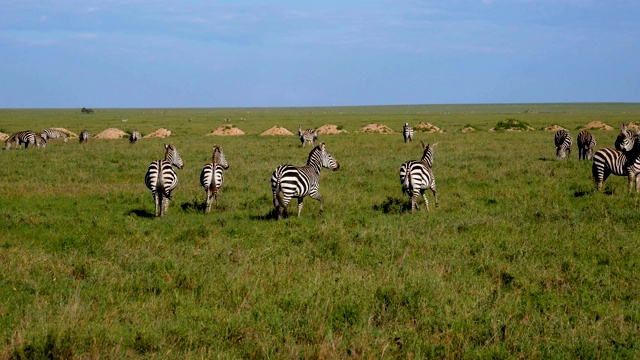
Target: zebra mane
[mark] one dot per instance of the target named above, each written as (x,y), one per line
(312,154)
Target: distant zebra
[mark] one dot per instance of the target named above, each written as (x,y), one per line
(407,132)
(135,136)
(84,136)
(307,136)
(22,137)
(212,176)
(161,179)
(586,145)
(564,142)
(53,134)
(289,181)
(86,111)
(417,176)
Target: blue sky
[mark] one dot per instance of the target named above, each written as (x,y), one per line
(168,53)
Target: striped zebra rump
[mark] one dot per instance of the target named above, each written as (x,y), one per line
(563,142)
(586,145)
(135,136)
(84,136)
(161,178)
(407,132)
(417,176)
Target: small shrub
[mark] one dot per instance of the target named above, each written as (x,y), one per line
(512,124)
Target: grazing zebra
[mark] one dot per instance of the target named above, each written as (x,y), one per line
(307,136)
(53,134)
(212,176)
(417,176)
(407,132)
(135,136)
(161,179)
(84,136)
(41,141)
(289,181)
(22,137)
(586,145)
(564,142)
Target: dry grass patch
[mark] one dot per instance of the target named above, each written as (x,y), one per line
(330,129)
(111,133)
(3,136)
(427,127)
(160,133)
(377,129)
(226,130)
(596,125)
(554,128)
(276,130)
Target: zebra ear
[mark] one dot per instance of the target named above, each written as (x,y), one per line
(166,146)
(434,145)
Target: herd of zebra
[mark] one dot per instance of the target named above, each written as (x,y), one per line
(624,160)
(287,181)
(29,137)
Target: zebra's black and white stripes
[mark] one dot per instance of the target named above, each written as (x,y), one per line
(625,140)
(212,176)
(49,133)
(289,181)
(564,142)
(135,136)
(308,136)
(586,145)
(622,162)
(22,137)
(161,179)
(407,132)
(84,136)
(417,176)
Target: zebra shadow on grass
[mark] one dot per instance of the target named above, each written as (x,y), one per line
(393,205)
(194,206)
(143,213)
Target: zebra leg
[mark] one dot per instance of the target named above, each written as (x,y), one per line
(157,199)
(414,200)
(426,200)
(435,194)
(300,203)
(208,209)
(318,197)
(282,207)
(165,205)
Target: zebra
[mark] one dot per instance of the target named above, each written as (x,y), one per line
(625,140)
(41,141)
(417,176)
(22,137)
(86,111)
(53,134)
(84,136)
(407,132)
(289,181)
(307,136)
(135,136)
(564,142)
(212,176)
(586,145)
(161,179)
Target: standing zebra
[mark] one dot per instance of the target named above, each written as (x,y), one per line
(586,145)
(53,134)
(289,181)
(84,136)
(135,136)
(564,142)
(307,136)
(407,132)
(417,176)
(623,161)
(161,179)
(212,176)
(22,137)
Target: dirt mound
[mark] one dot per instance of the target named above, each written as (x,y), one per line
(426,127)
(277,130)
(111,133)
(66,132)
(467,129)
(330,129)
(3,136)
(554,128)
(633,126)
(226,130)
(376,128)
(160,133)
(596,125)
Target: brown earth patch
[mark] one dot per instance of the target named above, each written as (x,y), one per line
(633,126)
(596,125)
(226,130)
(427,127)
(111,133)
(160,133)
(554,128)
(468,129)
(377,129)
(3,136)
(330,129)
(277,130)
(66,132)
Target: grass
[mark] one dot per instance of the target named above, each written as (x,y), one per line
(522,258)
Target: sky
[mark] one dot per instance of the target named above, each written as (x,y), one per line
(250,53)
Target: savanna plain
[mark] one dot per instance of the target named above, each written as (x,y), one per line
(523,258)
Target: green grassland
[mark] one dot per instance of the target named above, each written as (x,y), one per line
(522,259)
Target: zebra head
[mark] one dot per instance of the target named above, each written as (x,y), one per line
(427,154)
(219,158)
(625,140)
(173,156)
(299,130)
(320,157)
